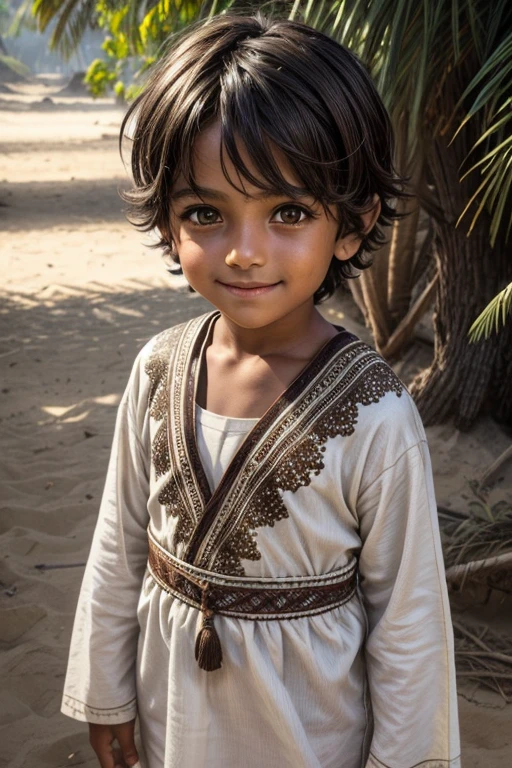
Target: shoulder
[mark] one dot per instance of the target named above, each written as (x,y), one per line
(153,358)
(362,375)
(155,355)
(382,416)
(151,366)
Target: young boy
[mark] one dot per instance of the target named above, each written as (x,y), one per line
(265,585)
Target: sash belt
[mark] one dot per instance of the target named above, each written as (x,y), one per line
(256,599)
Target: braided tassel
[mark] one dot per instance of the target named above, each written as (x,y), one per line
(208,649)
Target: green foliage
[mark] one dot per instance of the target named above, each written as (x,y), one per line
(120,90)
(71,17)
(17,20)
(439,65)
(494,85)
(494,315)
(99,77)
(17,66)
(443,67)
(131,43)
(5,14)
(136,31)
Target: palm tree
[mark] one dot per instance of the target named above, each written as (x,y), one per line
(443,68)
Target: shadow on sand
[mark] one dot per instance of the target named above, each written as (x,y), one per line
(66,354)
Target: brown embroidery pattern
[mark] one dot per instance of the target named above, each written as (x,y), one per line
(257,600)
(374,762)
(292,454)
(184,456)
(157,369)
(282,453)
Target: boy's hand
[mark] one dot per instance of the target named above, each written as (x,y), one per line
(101,738)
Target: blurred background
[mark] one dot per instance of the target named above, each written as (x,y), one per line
(82,291)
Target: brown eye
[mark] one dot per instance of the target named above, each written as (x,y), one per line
(203,216)
(292,214)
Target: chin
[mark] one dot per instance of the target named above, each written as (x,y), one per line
(250,320)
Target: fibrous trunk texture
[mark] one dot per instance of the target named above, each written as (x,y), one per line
(464,378)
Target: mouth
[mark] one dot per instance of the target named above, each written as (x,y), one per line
(248,289)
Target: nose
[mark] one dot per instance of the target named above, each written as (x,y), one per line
(248,251)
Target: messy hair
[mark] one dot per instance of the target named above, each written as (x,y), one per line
(270,83)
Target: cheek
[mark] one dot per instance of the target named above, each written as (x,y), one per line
(196,260)
(192,261)
(312,254)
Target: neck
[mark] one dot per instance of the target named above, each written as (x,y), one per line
(302,330)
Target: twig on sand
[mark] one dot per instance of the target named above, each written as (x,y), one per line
(53,566)
(10,352)
(484,656)
(458,573)
(484,673)
(493,468)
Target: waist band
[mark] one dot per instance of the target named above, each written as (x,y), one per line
(256,599)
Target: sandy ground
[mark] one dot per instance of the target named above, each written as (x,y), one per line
(81,293)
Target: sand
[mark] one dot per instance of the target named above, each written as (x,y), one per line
(81,292)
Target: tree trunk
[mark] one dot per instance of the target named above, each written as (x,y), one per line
(464,377)
(383,292)
(402,247)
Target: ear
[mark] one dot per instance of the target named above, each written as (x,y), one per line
(347,246)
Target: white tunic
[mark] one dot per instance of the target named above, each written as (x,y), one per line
(291,693)
(218,438)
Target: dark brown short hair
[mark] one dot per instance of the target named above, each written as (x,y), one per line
(269,82)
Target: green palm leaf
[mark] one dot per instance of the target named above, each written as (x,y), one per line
(494,81)
(494,315)
(144,22)
(72,18)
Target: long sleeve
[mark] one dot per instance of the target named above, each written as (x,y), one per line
(100,680)
(409,648)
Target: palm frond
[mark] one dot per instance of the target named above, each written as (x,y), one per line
(135,17)
(71,17)
(15,65)
(494,315)
(22,19)
(494,81)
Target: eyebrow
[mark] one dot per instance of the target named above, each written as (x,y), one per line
(215,194)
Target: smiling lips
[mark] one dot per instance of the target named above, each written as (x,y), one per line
(249,289)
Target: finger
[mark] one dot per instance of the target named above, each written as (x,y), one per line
(125,736)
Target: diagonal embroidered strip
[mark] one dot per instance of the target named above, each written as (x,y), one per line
(241,597)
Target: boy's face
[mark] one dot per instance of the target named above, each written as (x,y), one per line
(257,259)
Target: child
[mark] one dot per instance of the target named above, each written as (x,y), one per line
(265,587)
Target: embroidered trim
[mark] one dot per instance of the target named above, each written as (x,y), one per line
(253,582)
(454,762)
(77,706)
(158,368)
(283,452)
(183,381)
(265,427)
(255,600)
(292,453)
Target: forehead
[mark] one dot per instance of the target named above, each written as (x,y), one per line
(207,167)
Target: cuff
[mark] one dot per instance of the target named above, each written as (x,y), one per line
(374,762)
(79,710)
